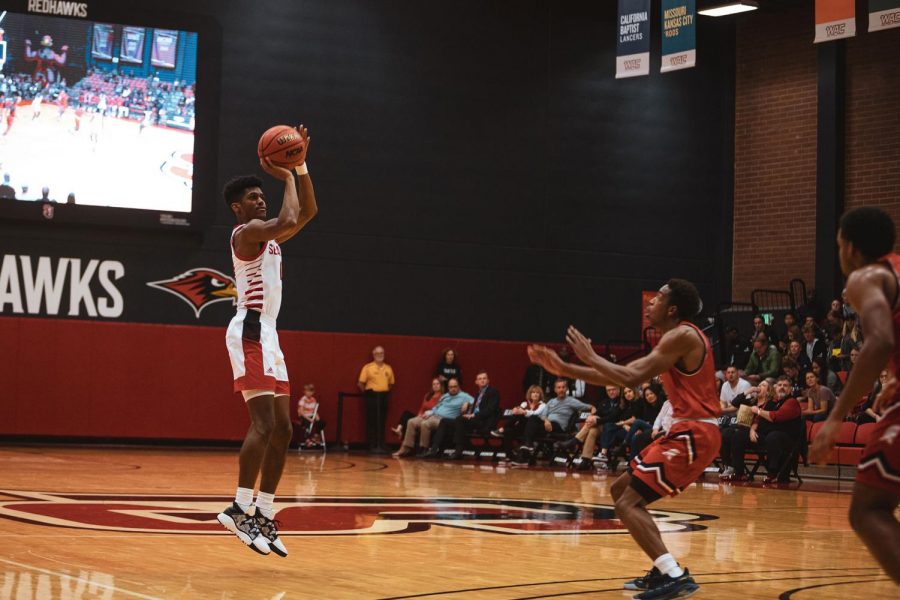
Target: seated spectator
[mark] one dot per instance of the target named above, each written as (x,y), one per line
(481,416)
(661,427)
(834,324)
(734,385)
(765,361)
(854,356)
(736,438)
(790,321)
(736,350)
(448,369)
(795,352)
(790,369)
(515,425)
(556,418)
(646,410)
(815,348)
(866,412)
(308,424)
(451,405)
(760,326)
(428,402)
(820,399)
(607,411)
(778,430)
(826,375)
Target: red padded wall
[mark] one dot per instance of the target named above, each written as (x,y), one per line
(128,380)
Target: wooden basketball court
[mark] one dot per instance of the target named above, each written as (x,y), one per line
(140,523)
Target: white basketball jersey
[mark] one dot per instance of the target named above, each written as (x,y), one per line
(258,278)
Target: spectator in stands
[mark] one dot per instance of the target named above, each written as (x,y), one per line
(854,356)
(734,385)
(815,348)
(451,405)
(6,190)
(646,410)
(795,334)
(375,381)
(820,399)
(779,430)
(790,369)
(557,418)
(736,350)
(795,352)
(480,417)
(448,368)
(607,410)
(661,426)
(866,412)
(309,423)
(738,437)
(851,337)
(825,375)
(760,326)
(70,199)
(765,361)
(428,402)
(532,405)
(790,320)
(834,325)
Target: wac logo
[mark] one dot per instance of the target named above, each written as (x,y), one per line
(199,288)
(340,515)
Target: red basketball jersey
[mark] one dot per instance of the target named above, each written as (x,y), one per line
(693,395)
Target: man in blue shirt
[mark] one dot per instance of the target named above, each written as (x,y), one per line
(451,405)
(554,418)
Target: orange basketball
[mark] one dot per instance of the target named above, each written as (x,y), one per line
(282,145)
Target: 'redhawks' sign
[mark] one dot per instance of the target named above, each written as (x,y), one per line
(65,286)
(61,8)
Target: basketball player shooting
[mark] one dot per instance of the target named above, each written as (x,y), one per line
(865,246)
(256,358)
(683,357)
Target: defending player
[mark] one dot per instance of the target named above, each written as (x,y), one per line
(256,358)
(865,246)
(684,359)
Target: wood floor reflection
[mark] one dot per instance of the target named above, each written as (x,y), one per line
(140,523)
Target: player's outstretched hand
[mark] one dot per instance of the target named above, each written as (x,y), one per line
(887,394)
(304,135)
(824,441)
(581,345)
(276,172)
(547,358)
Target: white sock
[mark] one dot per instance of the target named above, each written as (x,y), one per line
(667,565)
(265,502)
(244,498)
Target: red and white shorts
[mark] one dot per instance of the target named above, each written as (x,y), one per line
(880,463)
(256,357)
(676,460)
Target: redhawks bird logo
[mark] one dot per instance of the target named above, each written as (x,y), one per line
(199,288)
(334,515)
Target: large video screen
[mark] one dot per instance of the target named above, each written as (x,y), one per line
(98,114)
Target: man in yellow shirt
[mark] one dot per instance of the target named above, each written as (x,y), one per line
(376,380)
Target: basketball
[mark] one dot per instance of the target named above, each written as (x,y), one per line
(282,145)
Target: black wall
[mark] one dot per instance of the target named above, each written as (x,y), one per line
(480,172)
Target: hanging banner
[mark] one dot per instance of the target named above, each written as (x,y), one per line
(633,45)
(835,19)
(679,35)
(884,14)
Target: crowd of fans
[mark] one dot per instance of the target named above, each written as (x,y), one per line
(772,382)
(109,93)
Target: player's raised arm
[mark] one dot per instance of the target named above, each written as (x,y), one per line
(305,191)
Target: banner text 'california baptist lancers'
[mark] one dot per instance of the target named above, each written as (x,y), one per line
(633,38)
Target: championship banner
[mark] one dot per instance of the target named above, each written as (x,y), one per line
(884,14)
(633,45)
(132,49)
(679,35)
(835,19)
(165,45)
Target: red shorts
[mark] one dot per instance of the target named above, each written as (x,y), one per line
(676,460)
(880,463)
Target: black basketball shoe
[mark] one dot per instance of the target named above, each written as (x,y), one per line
(269,530)
(665,587)
(244,526)
(642,582)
